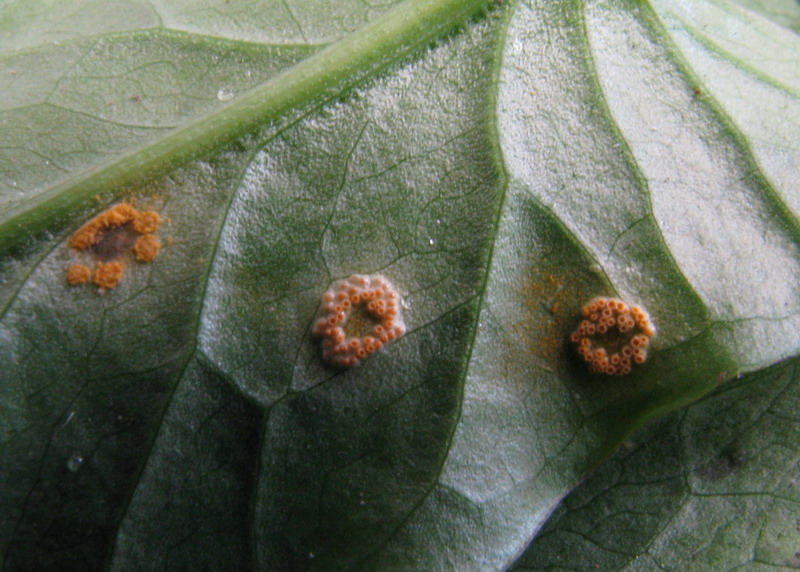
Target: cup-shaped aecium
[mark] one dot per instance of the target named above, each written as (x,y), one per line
(613,336)
(362,316)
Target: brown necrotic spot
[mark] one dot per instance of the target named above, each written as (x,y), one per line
(613,336)
(113,243)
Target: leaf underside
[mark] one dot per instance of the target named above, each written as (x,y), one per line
(537,156)
(712,487)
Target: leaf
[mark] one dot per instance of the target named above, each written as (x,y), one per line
(784,12)
(538,156)
(711,487)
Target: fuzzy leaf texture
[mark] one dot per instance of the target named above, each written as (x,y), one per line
(501,163)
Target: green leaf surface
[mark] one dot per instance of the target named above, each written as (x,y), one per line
(784,12)
(713,487)
(501,165)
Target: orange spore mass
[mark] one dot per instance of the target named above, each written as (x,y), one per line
(78,274)
(610,333)
(92,232)
(146,248)
(108,274)
(146,222)
(377,317)
(108,237)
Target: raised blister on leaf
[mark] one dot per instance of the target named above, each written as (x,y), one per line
(362,316)
(613,336)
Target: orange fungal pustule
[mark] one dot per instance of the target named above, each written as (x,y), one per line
(93,231)
(78,274)
(109,240)
(613,335)
(361,316)
(108,274)
(146,248)
(146,222)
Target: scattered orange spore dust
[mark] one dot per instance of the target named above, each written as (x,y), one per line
(78,274)
(540,327)
(362,316)
(613,336)
(110,240)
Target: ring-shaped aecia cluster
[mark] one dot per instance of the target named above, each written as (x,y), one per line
(375,299)
(613,336)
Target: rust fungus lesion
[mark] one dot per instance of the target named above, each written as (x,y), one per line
(547,302)
(146,248)
(78,274)
(361,316)
(613,336)
(112,239)
(108,275)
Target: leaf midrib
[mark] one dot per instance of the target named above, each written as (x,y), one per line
(323,76)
